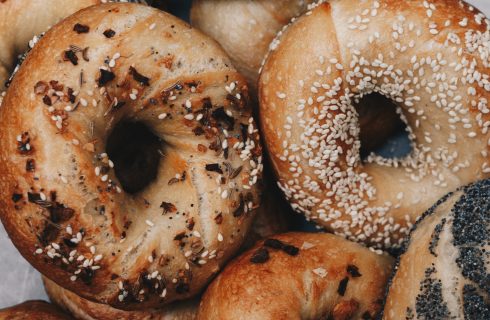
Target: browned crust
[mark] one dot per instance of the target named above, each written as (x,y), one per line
(35,310)
(68,171)
(87,310)
(394,194)
(303,286)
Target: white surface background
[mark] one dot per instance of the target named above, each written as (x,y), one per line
(20,282)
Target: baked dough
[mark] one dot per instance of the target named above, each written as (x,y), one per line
(430,58)
(130,161)
(299,276)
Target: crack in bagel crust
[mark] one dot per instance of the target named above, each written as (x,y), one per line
(430,58)
(63,205)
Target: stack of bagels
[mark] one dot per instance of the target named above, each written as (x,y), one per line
(230,168)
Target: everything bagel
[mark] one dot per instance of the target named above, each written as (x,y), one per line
(131,160)
(299,276)
(429,58)
(87,310)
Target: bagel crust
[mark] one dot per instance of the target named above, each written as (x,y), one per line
(245,28)
(63,205)
(22,20)
(444,273)
(430,58)
(35,310)
(299,276)
(84,309)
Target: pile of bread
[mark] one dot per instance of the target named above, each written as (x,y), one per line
(150,168)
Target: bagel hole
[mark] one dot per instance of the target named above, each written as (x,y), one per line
(135,151)
(382,130)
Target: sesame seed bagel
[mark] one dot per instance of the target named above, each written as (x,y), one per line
(84,309)
(19,25)
(430,59)
(34,310)
(444,271)
(299,276)
(129,161)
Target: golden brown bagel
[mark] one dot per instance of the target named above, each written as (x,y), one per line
(313,276)
(443,273)
(430,59)
(245,28)
(33,310)
(152,225)
(84,309)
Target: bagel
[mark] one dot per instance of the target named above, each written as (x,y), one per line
(35,310)
(443,273)
(299,276)
(244,28)
(21,20)
(86,310)
(131,160)
(430,59)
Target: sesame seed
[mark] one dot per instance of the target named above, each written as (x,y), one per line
(148,222)
(224,194)
(321,272)
(281,95)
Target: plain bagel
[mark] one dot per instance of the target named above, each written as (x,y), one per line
(430,59)
(245,28)
(131,160)
(299,276)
